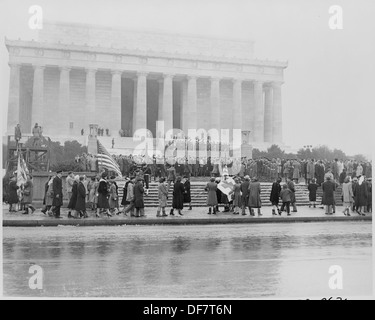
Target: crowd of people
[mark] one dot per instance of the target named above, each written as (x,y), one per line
(101,193)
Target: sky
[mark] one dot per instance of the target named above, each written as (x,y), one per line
(328,92)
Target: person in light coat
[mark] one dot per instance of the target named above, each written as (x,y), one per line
(162,197)
(347,195)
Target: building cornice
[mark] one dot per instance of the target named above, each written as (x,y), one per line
(146,54)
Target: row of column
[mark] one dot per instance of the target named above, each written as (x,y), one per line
(267,101)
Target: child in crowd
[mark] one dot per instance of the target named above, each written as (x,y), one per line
(286,198)
(312,187)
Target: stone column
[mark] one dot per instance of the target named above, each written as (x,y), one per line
(268,114)
(237,104)
(14,99)
(277,121)
(90,116)
(116,101)
(37,115)
(140,112)
(184,107)
(64,100)
(168,102)
(259,112)
(192,103)
(160,110)
(215,104)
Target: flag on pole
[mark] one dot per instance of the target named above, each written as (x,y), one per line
(22,170)
(106,161)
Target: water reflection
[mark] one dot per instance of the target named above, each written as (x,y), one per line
(187,261)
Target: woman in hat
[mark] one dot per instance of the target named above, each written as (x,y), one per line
(103,205)
(12,196)
(187,192)
(211,188)
(347,195)
(163,197)
(73,198)
(237,203)
(254,196)
(361,195)
(80,205)
(178,197)
(139,198)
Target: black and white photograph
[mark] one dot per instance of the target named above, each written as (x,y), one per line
(193,150)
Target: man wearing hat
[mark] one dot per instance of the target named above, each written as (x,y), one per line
(57,194)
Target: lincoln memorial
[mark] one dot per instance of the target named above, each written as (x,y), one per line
(74,75)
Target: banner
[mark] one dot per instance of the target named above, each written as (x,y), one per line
(226,186)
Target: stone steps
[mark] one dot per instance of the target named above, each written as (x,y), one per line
(199,195)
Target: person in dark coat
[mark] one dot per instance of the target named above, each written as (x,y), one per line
(103,204)
(361,195)
(12,194)
(254,196)
(369,198)
(291,187)
(319,172)
(57,194)
(178,197)
(211,188)
(275,196)
(80,205)
(312,187)
(245,194)
(73,197)
(329,188)
(219,195)
(139,198)
(47,205)
(187,192)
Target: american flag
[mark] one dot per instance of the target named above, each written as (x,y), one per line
(22,170)
(106,161)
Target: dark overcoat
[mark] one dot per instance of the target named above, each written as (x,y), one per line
(245,192)
(12,196)
(291,187)
(73,198)
(329,188)
(254,195)
(312,187)
(237,195)
(81,197)
(103,195)
(138,195)
(187,193)
(275,193)
(57,192)
(124,194)
(361,194)
(178,195)
(212,195)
